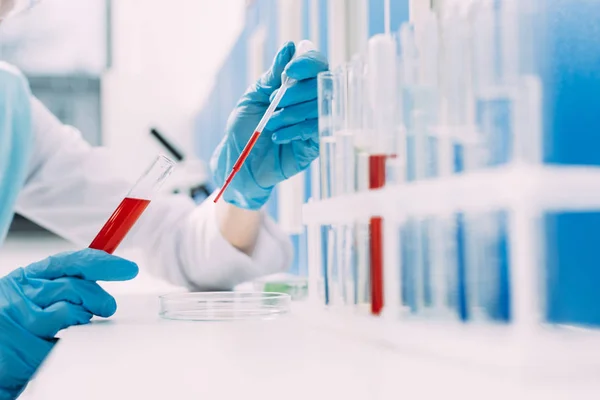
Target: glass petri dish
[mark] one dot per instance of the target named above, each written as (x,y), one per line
(223,306)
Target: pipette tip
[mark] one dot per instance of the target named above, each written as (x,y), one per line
(227,182)
(220,193)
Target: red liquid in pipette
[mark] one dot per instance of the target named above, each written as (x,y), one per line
(238,164)
(119,224)
(376,181)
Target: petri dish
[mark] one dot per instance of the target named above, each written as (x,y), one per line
(224,306)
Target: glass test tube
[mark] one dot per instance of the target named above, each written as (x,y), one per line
(341,259)
(457,138)
(337,178)
(452,133)
(325,89)
(337,149)
(132,206)
(381,102)
(495,92)
(358,124)
(355,234)
(344,141)
(415,113)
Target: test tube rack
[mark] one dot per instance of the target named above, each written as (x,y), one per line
(528,348)
(525,350)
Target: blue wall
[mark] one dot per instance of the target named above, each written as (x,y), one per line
(398,11)
(569,65)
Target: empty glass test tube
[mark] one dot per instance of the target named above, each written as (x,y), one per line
(325,235)
(495,74)
(337,178)
(358,122)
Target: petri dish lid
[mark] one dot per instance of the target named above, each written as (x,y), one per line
(224,306)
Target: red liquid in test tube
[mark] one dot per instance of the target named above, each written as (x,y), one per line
(119,224)
(376,181)
(132,206)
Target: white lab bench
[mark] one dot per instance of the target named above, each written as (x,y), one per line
(137,355)
(309,354)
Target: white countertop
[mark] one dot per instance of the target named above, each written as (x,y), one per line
(137,355)
(309,354)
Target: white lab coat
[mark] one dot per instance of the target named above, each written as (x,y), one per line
(72,188)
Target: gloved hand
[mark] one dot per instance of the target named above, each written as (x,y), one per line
(289,142)
(38,301)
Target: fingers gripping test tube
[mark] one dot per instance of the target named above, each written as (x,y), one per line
(301,48)
(132,206)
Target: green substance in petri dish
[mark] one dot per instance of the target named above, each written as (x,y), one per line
(297,290)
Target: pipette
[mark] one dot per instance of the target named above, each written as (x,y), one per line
(301,48)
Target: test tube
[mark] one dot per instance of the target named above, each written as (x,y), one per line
(495,92)
(452,131)
(132,206)
(349,119)
(381,97)
(428,245)
(408,74)
(337,179)
(344,142)
(344,266)
(359,124)
(325,234)
(337,166)
(325,88)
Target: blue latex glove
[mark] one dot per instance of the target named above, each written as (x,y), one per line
(38,301)
(289,142)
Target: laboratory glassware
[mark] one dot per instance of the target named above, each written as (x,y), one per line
(335,139)
(301,48)
(495,92)
(224,306)
(337,166)
(337,178)
(325,89)
(325,234)
(358,118)
(411,266)
(381,92)
(133,205)
(343,265)
(428,245)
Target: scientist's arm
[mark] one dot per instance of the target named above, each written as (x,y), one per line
(72,189)
(239,227)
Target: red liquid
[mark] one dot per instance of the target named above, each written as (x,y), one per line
(376,180)
(238,164)
(119,224)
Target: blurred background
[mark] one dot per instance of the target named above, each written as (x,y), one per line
(115,70)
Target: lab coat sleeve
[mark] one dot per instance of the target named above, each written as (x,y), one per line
(72,188)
